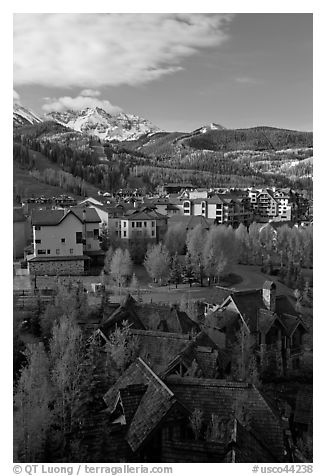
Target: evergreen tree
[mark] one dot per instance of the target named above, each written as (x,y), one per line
(175,270)
(188,270)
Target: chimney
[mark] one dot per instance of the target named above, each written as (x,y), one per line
(84,215)
(269,295)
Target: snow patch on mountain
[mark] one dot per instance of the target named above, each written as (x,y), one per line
(211,127)
(96,121)
(23,116)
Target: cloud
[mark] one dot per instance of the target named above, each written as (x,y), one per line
(16,97)
(90,92)
(92,50)
(247,80)
(79,102)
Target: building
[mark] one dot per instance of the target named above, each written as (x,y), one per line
(227,209)
(273,204)
(20,233)
(175,187)
(155,317)
(271,319)
(164,206)
(190,222)
(148,419)
(145,222)
(64,241)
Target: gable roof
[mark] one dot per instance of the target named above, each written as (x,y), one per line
(55,217)
(190,222)
(251,306)
(155,403)
(144,213)
(150,316)
(248,303)
(158,349)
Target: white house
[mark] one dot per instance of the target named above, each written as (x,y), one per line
(63,240)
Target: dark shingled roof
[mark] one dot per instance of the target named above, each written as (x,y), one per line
(248,303)
(218,397)
(303,406)
(158,349)
(54,217)
(190,222)
(150,316)
(90,213)
(154,405)
(130,399)
(144,213)
(251,306)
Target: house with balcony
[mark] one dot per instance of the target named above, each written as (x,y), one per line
(273,204)
(65,242)
(227,209)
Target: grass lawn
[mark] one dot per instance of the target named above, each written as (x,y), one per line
(240,277)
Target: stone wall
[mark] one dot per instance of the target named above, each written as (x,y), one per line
(57,268)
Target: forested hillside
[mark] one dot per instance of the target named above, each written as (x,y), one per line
(217,158)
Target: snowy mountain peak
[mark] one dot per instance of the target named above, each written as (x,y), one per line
(96,121)
(23,116)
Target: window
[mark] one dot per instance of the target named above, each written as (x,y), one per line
(133,224)
(79,237)
(71,251)
(145,224)
(124,233)
(153,224)
(38,241)
(41,252)
(124,224)
(63,240)
(48,252)
(37,227)
(138,224)
(57,252)
(153,232)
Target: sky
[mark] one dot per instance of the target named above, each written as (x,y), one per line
(180,71)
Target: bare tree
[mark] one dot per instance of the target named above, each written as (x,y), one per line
(121,267)
(66,356)
(157,262)
(195,244)
(196,422)
(32,414)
